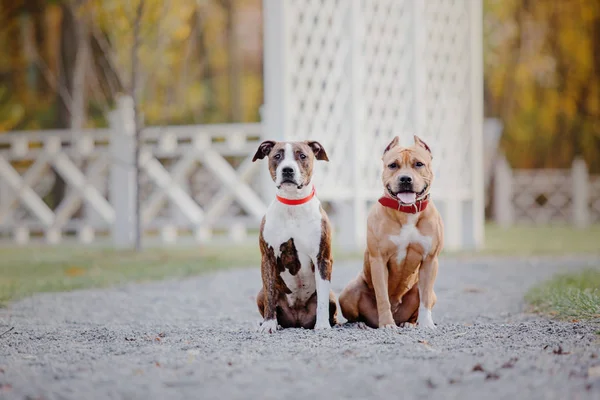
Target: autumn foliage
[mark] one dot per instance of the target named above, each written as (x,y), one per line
(64,62)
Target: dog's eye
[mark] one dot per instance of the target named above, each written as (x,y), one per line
(393,166)
(302,156)
(419,164)
(277,156)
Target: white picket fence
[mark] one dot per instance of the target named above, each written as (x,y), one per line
(197,181)
(543,196)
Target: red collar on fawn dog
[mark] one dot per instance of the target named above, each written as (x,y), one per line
(297,202)
(414,208)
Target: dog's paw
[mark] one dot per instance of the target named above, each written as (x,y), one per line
(268,326)
(392,326)
(321,326)
(425,320)
(407,325)
(363,326)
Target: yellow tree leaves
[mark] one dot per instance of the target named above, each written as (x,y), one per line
(542,78)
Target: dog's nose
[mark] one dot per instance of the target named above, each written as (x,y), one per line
(288,171)
(405,179)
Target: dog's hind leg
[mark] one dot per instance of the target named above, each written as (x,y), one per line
(358,303)
(408,310)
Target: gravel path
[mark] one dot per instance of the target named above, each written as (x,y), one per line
(195,338)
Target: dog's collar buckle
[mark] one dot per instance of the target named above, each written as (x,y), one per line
(297,202)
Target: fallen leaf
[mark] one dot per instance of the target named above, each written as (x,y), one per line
(157,364)
(74,271)
(157,339)
(560,351)
(478,367)
(574,320)
(510,363)
(492,376)
(430,384)
(229,363)
(594,372)
(452,381)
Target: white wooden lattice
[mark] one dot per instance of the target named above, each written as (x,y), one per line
(195,179)
(542,196)
(355,73)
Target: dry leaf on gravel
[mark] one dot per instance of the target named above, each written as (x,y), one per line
(510,363)
(560,351)
(492,376)
(473,290)
(478,367)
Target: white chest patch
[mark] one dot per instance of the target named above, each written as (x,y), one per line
(303,284)
(303,224)
(409,233)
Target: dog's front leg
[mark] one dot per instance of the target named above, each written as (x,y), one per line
(427,274)
(379,277)
(268,271)
(323,285)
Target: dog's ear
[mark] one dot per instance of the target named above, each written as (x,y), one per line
(392,144)
(318,150)
(263,150)
(421,143)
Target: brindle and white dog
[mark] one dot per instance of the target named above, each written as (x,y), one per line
(404,239)
(295,243)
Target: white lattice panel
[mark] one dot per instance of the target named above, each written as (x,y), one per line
(388,88)
(410,61)
(319,51)
(446,86)
(355,73)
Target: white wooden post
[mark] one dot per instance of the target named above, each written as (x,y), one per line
(503,193)
(581,193)
(473,231)
(122,185)
(274,112)
(352,224)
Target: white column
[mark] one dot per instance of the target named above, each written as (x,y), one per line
(473,232)
(275,111)
(503,193)
(581,194)
(122,183)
